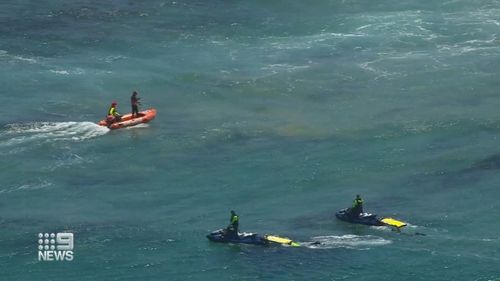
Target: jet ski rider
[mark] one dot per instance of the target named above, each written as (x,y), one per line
(232,229)
(113,115)
(357,207)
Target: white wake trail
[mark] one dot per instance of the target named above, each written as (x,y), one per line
(39,132)
(346,241)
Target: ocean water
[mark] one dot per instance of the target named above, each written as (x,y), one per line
(280,110)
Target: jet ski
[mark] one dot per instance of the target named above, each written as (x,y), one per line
(127,120)
(368,219)
(223,236)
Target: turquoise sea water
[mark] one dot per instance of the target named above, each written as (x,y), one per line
(280,110)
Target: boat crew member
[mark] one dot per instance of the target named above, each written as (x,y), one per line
(113,115)
(234,222)
(357,206)
(134,101)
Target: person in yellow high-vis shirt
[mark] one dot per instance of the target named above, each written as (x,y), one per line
(113,115)
(357,207)
(234,223)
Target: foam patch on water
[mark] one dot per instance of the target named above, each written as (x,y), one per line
(40,132)
(346,241)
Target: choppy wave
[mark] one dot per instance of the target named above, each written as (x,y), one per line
(283,67)
(47,64)
(309,41)
(17,135)
(28,186)
(346,241)
(77,71)
(8,56)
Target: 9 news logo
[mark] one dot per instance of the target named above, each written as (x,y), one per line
(55,247)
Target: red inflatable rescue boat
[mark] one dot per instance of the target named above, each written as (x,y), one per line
(127,120)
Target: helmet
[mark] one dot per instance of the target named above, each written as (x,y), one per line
(114,103)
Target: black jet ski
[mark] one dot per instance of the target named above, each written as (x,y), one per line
(368,219)
(363,218)
(223,236)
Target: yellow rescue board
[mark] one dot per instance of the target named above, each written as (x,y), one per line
(393,222)
(281,240)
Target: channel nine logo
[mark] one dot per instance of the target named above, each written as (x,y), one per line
(55,246)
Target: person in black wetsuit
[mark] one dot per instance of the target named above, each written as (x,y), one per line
(134,101)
